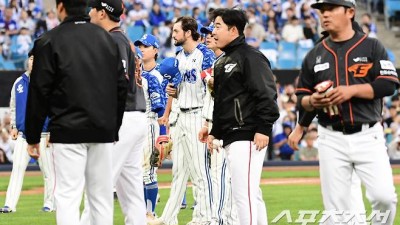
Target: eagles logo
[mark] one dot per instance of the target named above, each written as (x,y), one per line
(360,70)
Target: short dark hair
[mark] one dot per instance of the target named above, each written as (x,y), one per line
(74,7)
(234,17)
(189,23)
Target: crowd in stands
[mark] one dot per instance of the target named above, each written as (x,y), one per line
(284,30)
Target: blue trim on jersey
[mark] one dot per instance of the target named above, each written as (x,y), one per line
(21,97)
(208,56)
(153,137)
(156,94)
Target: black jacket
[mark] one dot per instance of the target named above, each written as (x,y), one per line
(245,94)
(77,80)
(135,100)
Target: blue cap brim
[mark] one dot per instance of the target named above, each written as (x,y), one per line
(206,30)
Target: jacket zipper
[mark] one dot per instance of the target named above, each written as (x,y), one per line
(239,118)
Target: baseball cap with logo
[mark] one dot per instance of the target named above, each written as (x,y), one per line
(148,40)
(169,69)
(346,3)
(114,8)
(207,30)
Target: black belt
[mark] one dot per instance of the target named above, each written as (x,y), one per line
(189,109)
(347,128)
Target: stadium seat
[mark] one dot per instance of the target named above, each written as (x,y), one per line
(391,11)
(391,55)
(135,32)
(268,45)
(287,58)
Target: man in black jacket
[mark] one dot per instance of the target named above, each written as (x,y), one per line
(244,111)
(77,80)
(128,152)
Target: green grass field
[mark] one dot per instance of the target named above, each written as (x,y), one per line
(277,198)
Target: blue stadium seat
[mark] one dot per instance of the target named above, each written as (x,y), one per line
(300,54)
(269,45)
(287,46)
(286,64)
(286,58)
(391,55)
(135,32)
(391,10)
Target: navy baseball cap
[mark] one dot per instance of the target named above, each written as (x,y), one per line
(114,8)
(346,3)
(207,30)
(148,40)
(169,67)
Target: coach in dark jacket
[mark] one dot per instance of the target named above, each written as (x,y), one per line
(244,111)
(78,80)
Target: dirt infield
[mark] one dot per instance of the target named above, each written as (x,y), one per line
(268,181)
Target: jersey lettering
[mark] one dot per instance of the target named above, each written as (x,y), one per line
(190,76)
(360,70)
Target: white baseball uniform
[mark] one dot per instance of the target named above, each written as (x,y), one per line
(190,155)
(224,210)
(21,157)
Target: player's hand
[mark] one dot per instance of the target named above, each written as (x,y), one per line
(163,120)
(295,137)
(340,94)
(319,100)
(14,134)
(261,141)
(171,91)
(34,151)
(211,83)
(203,135)
(210,140)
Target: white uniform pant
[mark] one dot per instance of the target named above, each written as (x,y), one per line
(189,158)
(127,155)
(150,172)
(245,164)
(75,166)
(20,162)
(365,153)
(224,210)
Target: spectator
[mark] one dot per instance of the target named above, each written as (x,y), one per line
(156,15)
(286,5)
(6,146)
(8,23)
(26,21)
(214,5)
(33,9)
(289,14)
(309,152)
(310,29)
(16,9)
(175,15)
(258,30)
(250,39)
(24,41)
(394,148)
(292,31)
(306,10)
(182,4)
(197,15)
(367,30)
(272,33)
(51,20)
(281,142)
(367,20)
(138,15)
(41,26)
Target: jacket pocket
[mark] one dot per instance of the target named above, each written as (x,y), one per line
(238,112)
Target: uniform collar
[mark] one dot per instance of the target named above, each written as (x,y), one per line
(80,18)
(234,44)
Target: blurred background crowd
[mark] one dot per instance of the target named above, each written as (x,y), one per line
(284,30)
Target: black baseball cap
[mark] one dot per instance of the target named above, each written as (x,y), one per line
(114,8)
(346,3)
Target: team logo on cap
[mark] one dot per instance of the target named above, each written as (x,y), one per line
(106,6)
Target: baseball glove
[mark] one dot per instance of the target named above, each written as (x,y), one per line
(163,148)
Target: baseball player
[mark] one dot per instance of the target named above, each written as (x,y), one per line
(128,151)
(224,210)
(190,155)
(155,104)
(244,111)
(344,79)
(19,94)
